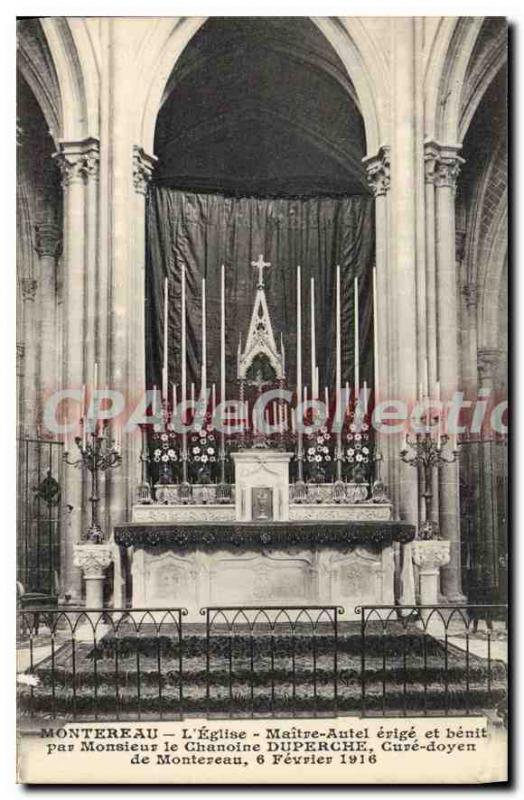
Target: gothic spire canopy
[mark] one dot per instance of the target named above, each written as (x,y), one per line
(260,338)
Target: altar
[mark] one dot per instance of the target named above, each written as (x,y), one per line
(261,549)
(286,517)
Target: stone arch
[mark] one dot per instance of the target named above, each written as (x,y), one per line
(444,76)
(491,279)
(77,72)
(348,38)
(35,64)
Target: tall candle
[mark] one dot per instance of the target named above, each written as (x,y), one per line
(164,369)
(183,343)
(153,409)
(365,397)
(282,354)
(357,343)
(164,383)
(203,384)
(338,347)
(213,398)
(326,398)
(95,377)
(313,342)
(299,335)
(174,399)
(317,383)
(222,335)
(375,337)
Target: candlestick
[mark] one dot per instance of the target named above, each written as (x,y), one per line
(164,369)
(153,408)
(338,345)
(203,382)
(164,384)
(183,342)
(356,337)
(222,335)
(313,338)
(299,334)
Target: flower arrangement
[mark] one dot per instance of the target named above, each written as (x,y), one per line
(317,451)
(202,452)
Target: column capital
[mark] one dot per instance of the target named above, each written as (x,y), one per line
(378,171)
(488,359)
(78,160)
(93,559)
(48,239)
(431,554)
(442,163)
(143,166)
(29,287)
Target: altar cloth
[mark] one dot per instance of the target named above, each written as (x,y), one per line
(224,535)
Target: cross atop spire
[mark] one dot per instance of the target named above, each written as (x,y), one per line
(260,265)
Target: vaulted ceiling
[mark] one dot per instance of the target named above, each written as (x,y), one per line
(261,106)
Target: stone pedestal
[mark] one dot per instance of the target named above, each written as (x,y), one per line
(93,560)
(430,556)
(262,485)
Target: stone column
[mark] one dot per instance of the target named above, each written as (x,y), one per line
(70,159)
(93,560)
(378,169)
(488,360)
(430,556)
(143,166)
(30,408)
(48,241)
(402,288)
(20,353)
(446,173)
(470,376)
(90,163)
(403,284)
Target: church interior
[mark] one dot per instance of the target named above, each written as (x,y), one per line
(310,209)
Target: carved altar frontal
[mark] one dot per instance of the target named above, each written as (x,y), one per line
(195,564)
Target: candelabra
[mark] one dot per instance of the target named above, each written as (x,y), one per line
(98,453)
(426,453)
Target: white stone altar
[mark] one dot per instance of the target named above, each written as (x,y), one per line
(273,553)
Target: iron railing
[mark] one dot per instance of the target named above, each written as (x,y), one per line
(262,661)
(92,663)
(431,660)
(39,514)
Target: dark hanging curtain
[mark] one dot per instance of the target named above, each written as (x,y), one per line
(203,231)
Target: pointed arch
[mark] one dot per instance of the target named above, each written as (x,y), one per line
(167,39)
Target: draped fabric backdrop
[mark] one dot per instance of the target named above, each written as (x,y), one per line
(204,231)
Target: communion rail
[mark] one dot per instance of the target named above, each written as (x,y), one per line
(262,661)
(433,660)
